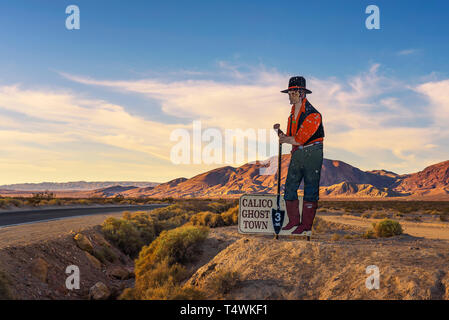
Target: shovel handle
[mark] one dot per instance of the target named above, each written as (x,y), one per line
(279,132)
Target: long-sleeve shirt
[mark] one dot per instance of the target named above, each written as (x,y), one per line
(308,127)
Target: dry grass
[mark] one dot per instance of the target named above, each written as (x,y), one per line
(379,215)
(138,229)
(336,237)
(320,225)
(47,198)
(403,207)
(224,281)
(160,267)
(387,228)
(214,220)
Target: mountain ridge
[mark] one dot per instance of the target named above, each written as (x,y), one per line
(338,180)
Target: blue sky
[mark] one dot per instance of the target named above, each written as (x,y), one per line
(134,55)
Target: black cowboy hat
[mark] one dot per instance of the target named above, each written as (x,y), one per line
(296,83)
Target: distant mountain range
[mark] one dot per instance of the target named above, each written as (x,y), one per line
(75,185)
(338,180)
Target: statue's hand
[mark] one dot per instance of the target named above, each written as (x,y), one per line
(283,138)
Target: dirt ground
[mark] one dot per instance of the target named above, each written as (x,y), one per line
(411,266)
(425,229)
(35,258)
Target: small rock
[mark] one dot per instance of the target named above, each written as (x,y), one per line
(101,240)
(39,269)
(83,243)
(99,291)
(94,261)
(119,272)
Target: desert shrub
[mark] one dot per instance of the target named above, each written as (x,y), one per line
(218,207)
(320,225)
(174,292)
(54,202)
(208,219)
(13,202)
(348,236)
(379,215)
(216,221)
(225,281)
(387,228)
(173,215)
(405,209)
(335,237)
(38,196)
(369,234)
(160,281)
(159,270)
(128,294)
(123,234)
(444,217)
(5,287)
(176,246)
(146,225)
(414,218)
(323,210)
(366,215)
(104,254)
(231,216)
(137,229)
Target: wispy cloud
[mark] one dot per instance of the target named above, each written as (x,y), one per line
(359,112)
(407,52)
(63,131)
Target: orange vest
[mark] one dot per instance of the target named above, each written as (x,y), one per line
(308,126)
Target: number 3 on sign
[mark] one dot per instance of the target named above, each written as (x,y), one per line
(277,218)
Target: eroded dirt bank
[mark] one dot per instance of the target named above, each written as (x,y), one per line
(410,267)
(35,257)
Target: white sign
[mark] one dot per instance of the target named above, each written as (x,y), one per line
(255,214)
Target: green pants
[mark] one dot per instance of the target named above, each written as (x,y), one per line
(305,163)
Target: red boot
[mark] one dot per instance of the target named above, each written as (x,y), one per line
(292,213)
(308,214)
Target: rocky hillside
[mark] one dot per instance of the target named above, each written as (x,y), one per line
(37,270)
(112,191)
(338,179)
(432,180)
(357,190)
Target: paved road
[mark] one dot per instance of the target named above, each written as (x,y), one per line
(39,215)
